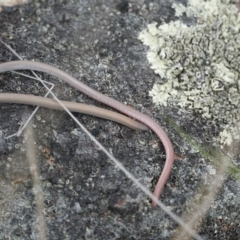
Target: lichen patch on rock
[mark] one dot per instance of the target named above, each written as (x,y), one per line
(199,63)
(10,3)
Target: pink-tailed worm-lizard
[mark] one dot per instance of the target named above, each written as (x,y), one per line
(37,66)
(73,107)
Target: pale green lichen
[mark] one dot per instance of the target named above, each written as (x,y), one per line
(10,3)
(200,63)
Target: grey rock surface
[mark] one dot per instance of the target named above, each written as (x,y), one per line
(85,195)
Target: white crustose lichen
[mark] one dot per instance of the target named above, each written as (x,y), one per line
(200,63)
